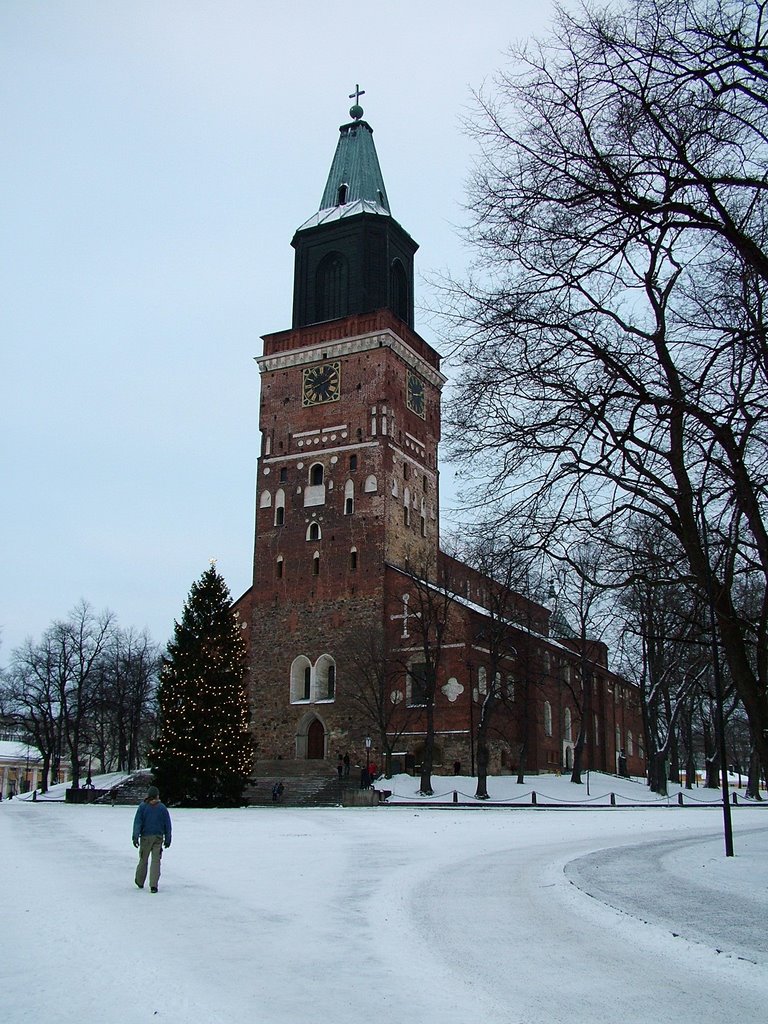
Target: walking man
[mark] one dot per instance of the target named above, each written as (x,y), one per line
(151,830)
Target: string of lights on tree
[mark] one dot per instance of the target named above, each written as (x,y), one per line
(204,752)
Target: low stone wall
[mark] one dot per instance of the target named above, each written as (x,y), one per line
(360,798)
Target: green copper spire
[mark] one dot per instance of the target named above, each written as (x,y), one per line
(352,256)
(355,183)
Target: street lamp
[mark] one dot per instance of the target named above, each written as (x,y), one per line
(367,755)
(727,824)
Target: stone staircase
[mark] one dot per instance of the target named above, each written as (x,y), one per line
(306,784)
(131,791)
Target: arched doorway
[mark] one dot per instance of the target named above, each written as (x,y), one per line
(315,741)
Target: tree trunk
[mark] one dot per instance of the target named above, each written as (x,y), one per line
(481,793)
(657,772)
(578,751)
(753,778)
(425,787)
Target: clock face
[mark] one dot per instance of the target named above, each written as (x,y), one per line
(415,396)
(321,384)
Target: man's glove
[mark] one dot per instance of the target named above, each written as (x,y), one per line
(136,843)
(167,843)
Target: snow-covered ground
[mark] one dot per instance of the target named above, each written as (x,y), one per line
(429,914)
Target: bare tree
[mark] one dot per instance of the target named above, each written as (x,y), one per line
(125,684)
(613,337)
(85,690)
(580,595)
(430,594)
(373,673)
(33,703)
(498,634)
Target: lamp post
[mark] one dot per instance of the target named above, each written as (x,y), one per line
(727,825)
(367,755)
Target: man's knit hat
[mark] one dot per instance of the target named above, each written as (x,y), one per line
(153,793)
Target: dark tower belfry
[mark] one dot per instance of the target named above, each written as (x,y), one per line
(352,256)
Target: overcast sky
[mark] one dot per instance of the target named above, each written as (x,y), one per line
(156,158)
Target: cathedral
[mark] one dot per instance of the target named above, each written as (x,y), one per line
(354,608)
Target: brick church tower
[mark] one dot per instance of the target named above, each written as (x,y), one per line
(348,470)
(347,535)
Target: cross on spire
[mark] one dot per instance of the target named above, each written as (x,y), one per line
(357,93)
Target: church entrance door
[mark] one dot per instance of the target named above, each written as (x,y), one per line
(315,741)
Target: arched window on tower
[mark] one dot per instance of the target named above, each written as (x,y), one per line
(342,195)
(398,286)
(314,492)
(313,532)
(301,679)
(325,678)
(316,564)
(332,287)
(349,498)
(353,559)
(279,567)
(280,508)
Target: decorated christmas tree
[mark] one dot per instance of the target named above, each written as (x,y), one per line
(204,753)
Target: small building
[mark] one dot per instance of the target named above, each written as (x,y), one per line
(21,769)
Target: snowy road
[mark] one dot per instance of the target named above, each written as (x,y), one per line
(273,916)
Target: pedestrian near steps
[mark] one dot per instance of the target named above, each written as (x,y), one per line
(151,831)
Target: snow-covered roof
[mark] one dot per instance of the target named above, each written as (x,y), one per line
(12,750)
(335,213)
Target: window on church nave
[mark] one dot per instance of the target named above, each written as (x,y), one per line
(417,684)
(510,687)
(567,726)
(547,718)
